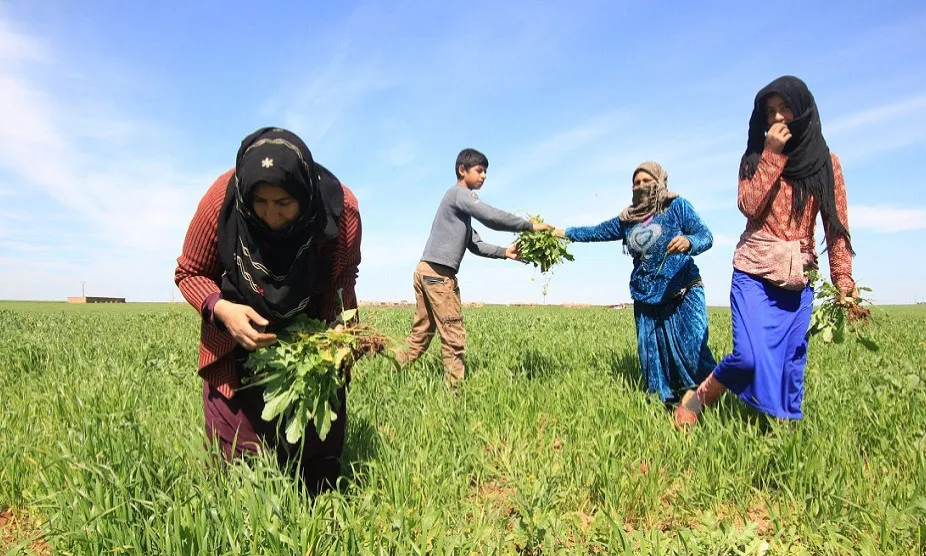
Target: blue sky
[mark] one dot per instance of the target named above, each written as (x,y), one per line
(116,117)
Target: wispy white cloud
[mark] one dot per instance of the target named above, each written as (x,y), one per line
(886,219)
(315,104)
(124,198)
(17,48)
(400,153)
(868,133)
(877,115)
(549,152)
(581,175)
(898,40)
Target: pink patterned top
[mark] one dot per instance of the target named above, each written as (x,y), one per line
(765,199)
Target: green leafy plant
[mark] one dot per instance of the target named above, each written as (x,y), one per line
(543,249)
(832,320)
(303,372)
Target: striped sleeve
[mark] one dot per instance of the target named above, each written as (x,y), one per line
(346,263)
(198,266)
(216,366)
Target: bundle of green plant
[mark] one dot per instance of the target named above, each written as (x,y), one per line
(543,249)
(831,318)
(303,372)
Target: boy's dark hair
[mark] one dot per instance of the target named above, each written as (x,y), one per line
(469,158)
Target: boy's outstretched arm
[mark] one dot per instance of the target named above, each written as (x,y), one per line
(483,249)
(490,216)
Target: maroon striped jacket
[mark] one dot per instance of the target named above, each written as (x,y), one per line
(199,273)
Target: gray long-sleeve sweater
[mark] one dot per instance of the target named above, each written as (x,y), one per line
(452,231)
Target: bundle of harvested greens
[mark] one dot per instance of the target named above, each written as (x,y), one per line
(303,372)
(543,249)
(831,319)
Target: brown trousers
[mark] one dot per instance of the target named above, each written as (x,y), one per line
(437,307)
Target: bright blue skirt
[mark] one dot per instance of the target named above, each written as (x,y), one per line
(766,368)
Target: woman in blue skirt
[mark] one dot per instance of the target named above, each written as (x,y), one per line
(662,232)
(787,177)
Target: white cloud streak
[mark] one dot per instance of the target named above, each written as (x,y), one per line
(123,199)
(877,115)
(885,219)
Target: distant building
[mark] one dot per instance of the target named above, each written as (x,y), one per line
(96,300)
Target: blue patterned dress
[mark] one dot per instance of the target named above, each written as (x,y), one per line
(669,307)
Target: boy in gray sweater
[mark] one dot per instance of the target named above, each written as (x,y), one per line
(437,292)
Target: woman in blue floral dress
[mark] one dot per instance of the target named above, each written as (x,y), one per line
(662,232)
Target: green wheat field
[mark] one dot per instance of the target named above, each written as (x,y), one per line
(551,447)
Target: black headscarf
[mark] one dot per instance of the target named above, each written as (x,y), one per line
(276,272)
(809,167)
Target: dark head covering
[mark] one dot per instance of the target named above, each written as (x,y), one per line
(809,167)
(276,272)
(648,198)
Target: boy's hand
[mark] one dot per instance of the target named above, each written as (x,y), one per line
(541,226)
(513,252)
(559,232)
(679,244)
(776,137)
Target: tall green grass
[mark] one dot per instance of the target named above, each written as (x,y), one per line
(551,446)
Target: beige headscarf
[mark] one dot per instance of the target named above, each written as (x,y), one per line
(648,198)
